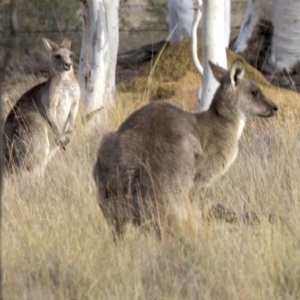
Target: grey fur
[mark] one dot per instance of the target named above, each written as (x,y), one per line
(43,118)
(161,155)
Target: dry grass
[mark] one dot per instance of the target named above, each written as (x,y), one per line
(56,245)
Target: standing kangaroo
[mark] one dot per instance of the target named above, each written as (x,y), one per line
(160,154)
(43,118)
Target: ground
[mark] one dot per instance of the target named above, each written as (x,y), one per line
(56,243)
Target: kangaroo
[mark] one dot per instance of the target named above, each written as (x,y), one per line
(42,120)
(161,154)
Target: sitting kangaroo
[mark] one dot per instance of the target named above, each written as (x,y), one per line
(43,117)
(160,154)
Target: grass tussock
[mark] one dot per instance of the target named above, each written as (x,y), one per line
(56,244)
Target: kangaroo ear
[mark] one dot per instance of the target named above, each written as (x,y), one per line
(66,43)
(237,72)
(49,45)
(218,72)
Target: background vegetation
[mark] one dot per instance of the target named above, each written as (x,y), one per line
(141,22)
(56,244)
(54,19)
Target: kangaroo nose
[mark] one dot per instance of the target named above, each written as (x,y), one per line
(67,66)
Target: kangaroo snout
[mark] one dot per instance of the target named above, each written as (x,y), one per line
(273,110)
(67,66)
(270,111)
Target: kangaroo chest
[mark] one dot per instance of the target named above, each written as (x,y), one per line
(214,163)
(219,153)
(229,160)
(65,94)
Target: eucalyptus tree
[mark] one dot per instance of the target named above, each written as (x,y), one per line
(98,56)
(276,27)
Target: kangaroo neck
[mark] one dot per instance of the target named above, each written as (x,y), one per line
(219,137)
(227,113)
(55,81)
(60,76)
(224,126)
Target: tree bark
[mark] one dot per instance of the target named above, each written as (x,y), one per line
(213,48)
(286,38)
(270,35)
(181,15)
(255,12)
(227,25)
(194,40)
(98,57)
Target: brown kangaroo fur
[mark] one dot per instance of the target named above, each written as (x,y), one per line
(152,164)
(43,118)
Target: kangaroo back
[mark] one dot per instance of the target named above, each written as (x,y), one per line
(146,167)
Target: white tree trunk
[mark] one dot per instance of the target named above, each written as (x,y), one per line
(213,47)
(100,41)
(181,15)
(256,10)
(286,38)
(112,8)
(284,15)
(227,25)
(194,40)
(85,53)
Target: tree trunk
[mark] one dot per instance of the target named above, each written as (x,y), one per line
(98,57)
(181,15)
(270,35)
(255,12)
(194,40)
(286,38)
(227,25)
(213,47)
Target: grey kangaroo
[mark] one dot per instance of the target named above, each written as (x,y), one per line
(161,155)
(42,119)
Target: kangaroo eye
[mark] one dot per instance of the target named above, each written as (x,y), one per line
(71,56)
(255,93)
(58,56)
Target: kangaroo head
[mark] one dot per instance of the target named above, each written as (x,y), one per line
(240,96)
(61,58)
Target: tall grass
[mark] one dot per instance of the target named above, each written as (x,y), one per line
(56,244)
